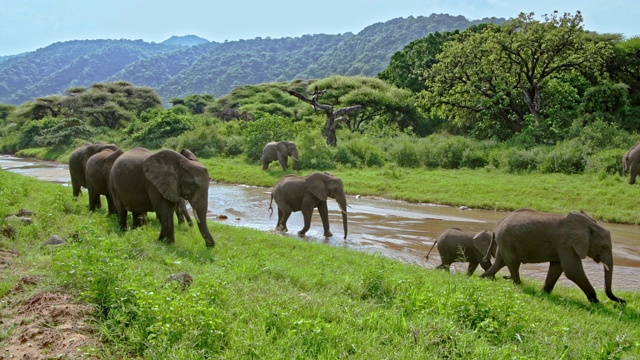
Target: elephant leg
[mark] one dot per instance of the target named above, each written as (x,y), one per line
(306,214)
(110,205)
(514,270)
(265,164)
(138,219)
(283,216)
(499,264)
(472,267)
(94,200)
(283,162)
(444,266)
(486,265)
(122,220)
(575,273)
(324,215)
(75,185)
(555,270)
(167,231)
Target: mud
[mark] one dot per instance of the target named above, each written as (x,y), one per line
(399,230)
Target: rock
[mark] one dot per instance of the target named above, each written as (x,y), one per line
(24,220)
(223,217)
(54,240)
(464,208)
(184,279)
(24,212)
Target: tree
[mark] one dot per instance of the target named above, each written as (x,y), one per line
(334,118)
(501,72)
(196,103)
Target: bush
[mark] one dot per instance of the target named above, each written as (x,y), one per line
(608,162)
(516,160)
(360,152)
(155,126)
(314,152)
(265,129)
(405,153)
(564,158)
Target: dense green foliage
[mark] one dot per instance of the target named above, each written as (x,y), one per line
(212,68)
(261,295)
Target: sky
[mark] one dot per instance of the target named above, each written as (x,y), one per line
(27,25)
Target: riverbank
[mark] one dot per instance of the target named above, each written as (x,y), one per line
(605,197)
(263,295)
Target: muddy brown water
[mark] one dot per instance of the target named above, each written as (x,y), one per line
(396,229)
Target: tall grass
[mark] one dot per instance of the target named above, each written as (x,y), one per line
(261,295)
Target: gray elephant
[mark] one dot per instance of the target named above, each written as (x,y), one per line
(97,171)
(78,160)
(142,181)
(631,163)
(280,151)
(527,236)
(456,245)
(304,193)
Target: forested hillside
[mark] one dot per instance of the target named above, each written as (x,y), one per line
(186,65)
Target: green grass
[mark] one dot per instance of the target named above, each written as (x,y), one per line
(261,295)
(605,197)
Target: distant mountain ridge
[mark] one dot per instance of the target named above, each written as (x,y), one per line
(183,65)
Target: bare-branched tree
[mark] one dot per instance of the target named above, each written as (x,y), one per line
(334,118)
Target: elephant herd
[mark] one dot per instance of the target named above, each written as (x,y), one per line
(528,236)
(139,181)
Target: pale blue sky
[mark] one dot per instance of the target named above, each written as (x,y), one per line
(27,25)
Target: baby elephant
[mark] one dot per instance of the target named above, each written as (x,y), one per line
(455,245)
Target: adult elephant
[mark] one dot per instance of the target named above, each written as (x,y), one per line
(456,245)
(304,193)
(78,161)
(280,151)
(527,236)
(142,181)
(631,163)
(97,170)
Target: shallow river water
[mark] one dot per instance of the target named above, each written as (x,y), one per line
(396,229)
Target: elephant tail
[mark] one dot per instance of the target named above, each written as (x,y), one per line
(434,244)
(270,206)
(487,256)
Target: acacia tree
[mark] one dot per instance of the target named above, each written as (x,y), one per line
(334,118)
(500,72)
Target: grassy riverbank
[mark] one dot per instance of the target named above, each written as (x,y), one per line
(606,197)
(260,295)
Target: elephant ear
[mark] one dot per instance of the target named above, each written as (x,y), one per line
(482,241)
(315,184)
(114,155)
(282,148)
(578,233)
(161,169)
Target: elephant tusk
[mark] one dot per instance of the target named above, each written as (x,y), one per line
(195,215)
(606,268)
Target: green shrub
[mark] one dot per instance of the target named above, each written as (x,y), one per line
(474,158)
(264,129)
(607,161)
(360,152)
(314,152)
(563,158)
(405,153)
(154,127)
(516,160)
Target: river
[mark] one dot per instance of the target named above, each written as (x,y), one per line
(396,229)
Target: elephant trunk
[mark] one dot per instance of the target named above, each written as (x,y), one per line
(342,202)
(200,213)
(608,275)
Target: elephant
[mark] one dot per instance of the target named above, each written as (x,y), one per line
(631,163)
(465,246)
(304,193)
(527,236)
(143,181)
(97,171)
(78,160)
(280,151)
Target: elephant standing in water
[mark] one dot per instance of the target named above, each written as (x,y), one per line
(142,181)
(527,236)
(304,193)
(280,151)
(631,163)
(464,246)
(78,161)
(97,170)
